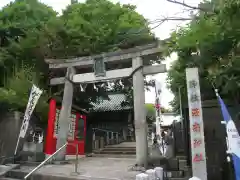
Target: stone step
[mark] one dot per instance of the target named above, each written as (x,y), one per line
(28,163)
(119,149)
(16,174)
(182,164)
(187,171)
(114,155)
(181,157)
(114,152)
(7,167)
(183,178)
(168,164)
(174,174)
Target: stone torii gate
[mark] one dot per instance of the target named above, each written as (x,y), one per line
(135,57)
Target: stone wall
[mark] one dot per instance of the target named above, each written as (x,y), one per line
(10,124)
(179,140)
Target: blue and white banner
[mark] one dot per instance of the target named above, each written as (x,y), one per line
(233,138)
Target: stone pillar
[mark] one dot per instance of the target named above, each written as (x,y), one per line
(65,114)
(140,114)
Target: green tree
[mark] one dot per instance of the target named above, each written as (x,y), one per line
(15,93)
(90,30)
(151,112)
(211,43)
(22,24)
(31,31)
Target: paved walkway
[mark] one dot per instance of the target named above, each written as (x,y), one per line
(94,168)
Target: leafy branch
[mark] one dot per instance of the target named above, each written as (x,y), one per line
(216,38)
(188,6)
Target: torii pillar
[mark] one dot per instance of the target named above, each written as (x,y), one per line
(65,114)
(140,114)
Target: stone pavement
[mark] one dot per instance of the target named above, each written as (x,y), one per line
(124,144)
(94,168)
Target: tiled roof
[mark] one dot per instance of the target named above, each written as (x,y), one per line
(113,103)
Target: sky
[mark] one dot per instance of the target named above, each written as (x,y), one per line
(152,10)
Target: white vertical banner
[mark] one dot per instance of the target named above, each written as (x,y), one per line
(33,99)
(199,167)
(158,88)
(158,92)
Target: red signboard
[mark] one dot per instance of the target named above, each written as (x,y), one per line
(76,134)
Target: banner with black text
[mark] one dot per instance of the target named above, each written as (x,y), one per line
(33,99)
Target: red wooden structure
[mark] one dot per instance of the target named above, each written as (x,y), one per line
(76,134)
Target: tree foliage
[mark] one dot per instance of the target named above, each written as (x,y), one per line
(90,30)
(151,112)
(31,31)
(21,26)
(211,43)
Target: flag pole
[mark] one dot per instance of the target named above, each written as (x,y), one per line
(228,151)
(230,169)
(16,148)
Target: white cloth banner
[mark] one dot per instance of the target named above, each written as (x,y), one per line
(158,128)
(158,91)
(33,99)
(158,88)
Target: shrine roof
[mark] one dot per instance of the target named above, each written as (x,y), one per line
(113,103)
